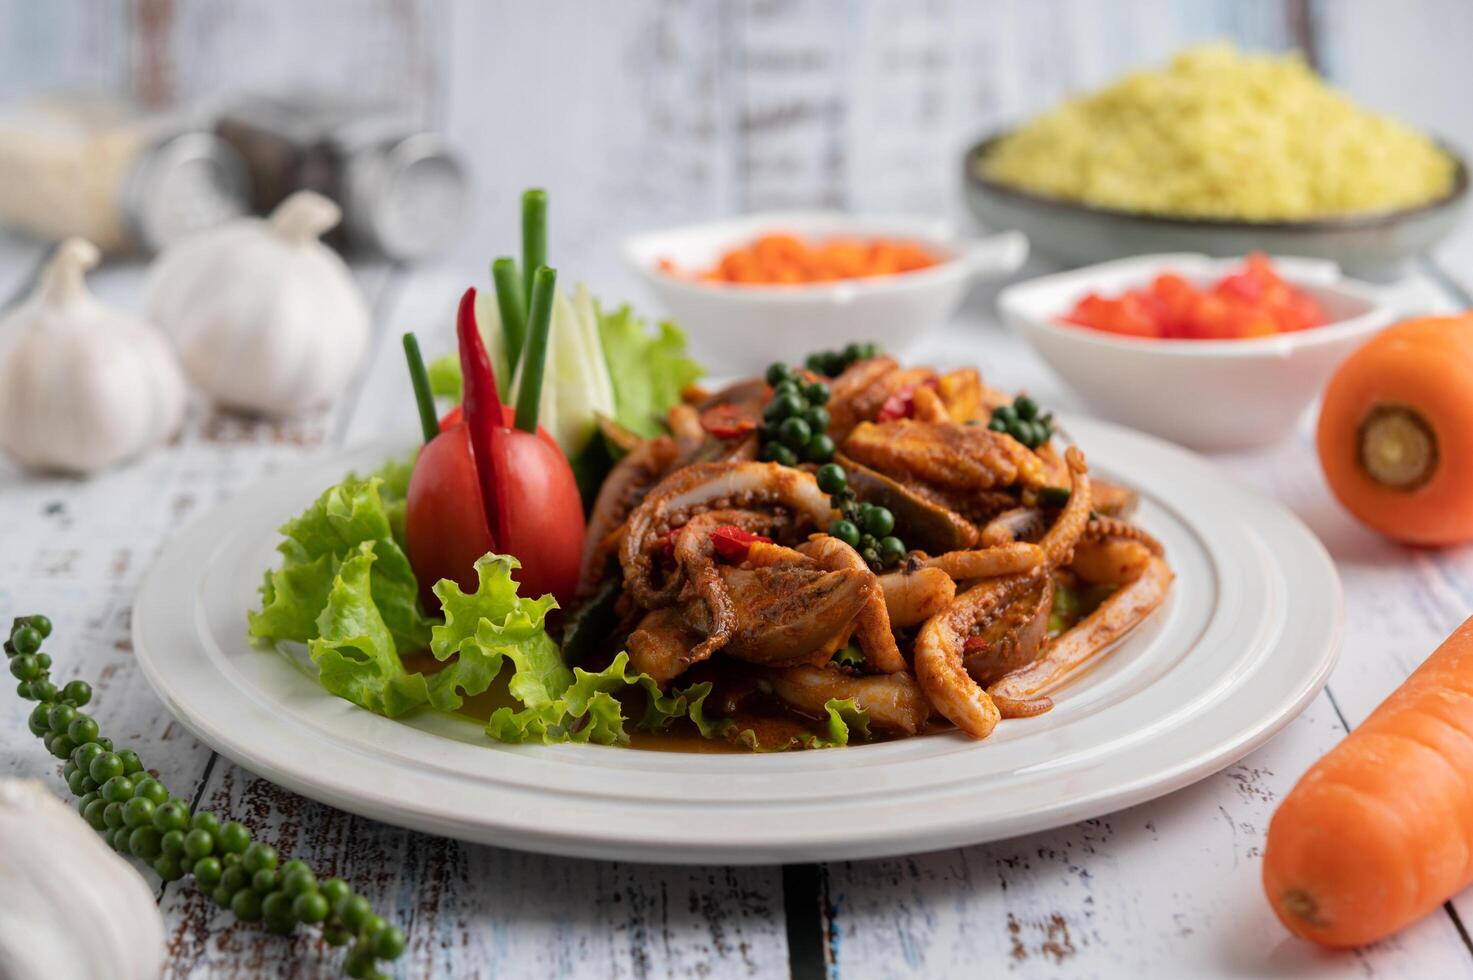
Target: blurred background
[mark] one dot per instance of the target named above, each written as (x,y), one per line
(650,112)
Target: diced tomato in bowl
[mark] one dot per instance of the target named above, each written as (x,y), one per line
(1212,353)
(1253,301)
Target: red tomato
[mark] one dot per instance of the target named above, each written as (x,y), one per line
(508,417)
(543,515)
(445,527)
(483,485)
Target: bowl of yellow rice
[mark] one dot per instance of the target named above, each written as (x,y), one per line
(1225,153)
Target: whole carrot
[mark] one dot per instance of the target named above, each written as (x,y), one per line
(1380,831)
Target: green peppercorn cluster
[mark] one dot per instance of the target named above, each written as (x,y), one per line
(868,528)
(795,424)
(1022,420)
(134,812)
(831,363)
(795,428)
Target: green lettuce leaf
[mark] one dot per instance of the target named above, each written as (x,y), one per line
(648,370)
(842,717)
(315,545)
(484,628)
(354,650)
(345,589)
(493,625)
(445,379)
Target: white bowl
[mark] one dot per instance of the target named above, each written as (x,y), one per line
(1207,394)
(742,328)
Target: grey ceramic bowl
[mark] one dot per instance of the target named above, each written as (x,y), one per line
(1373,246)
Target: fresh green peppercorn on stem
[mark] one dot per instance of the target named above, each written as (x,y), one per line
(134,812)
(795,429)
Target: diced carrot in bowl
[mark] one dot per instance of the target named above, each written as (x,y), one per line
(783,259)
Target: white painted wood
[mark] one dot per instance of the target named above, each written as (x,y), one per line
(1408,60)
(484,912)
(1167,889)
(67,43)
(614,109)
(384,51)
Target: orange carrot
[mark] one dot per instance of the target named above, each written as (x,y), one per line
(1380,831)
(783,259)
(1395,434)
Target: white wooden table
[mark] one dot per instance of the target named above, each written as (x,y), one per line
(1168,888)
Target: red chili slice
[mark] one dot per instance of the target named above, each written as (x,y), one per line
(731,542)
(481,404)
(901,405)
(728,421)
(734,544)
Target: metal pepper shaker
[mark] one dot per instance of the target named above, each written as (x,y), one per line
(404,194)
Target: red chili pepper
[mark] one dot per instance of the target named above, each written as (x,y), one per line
(481,403)
(729,421)
(734,544)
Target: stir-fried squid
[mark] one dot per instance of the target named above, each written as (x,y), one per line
(737,571)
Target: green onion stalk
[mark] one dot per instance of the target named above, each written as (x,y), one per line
(138,816)
(534,365)
(511,302)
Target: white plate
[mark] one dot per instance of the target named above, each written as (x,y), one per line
(1241,646)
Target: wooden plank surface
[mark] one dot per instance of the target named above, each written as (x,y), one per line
(1050,904)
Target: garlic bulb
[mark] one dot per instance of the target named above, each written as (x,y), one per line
(69,906)
(266,318)
(82,385)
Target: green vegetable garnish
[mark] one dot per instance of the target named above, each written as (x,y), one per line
(534,238)
(539,324)
(445,380)
(424,400)
(139,817)
(1054,496)
(648,371)
(511,302)
(358,521)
